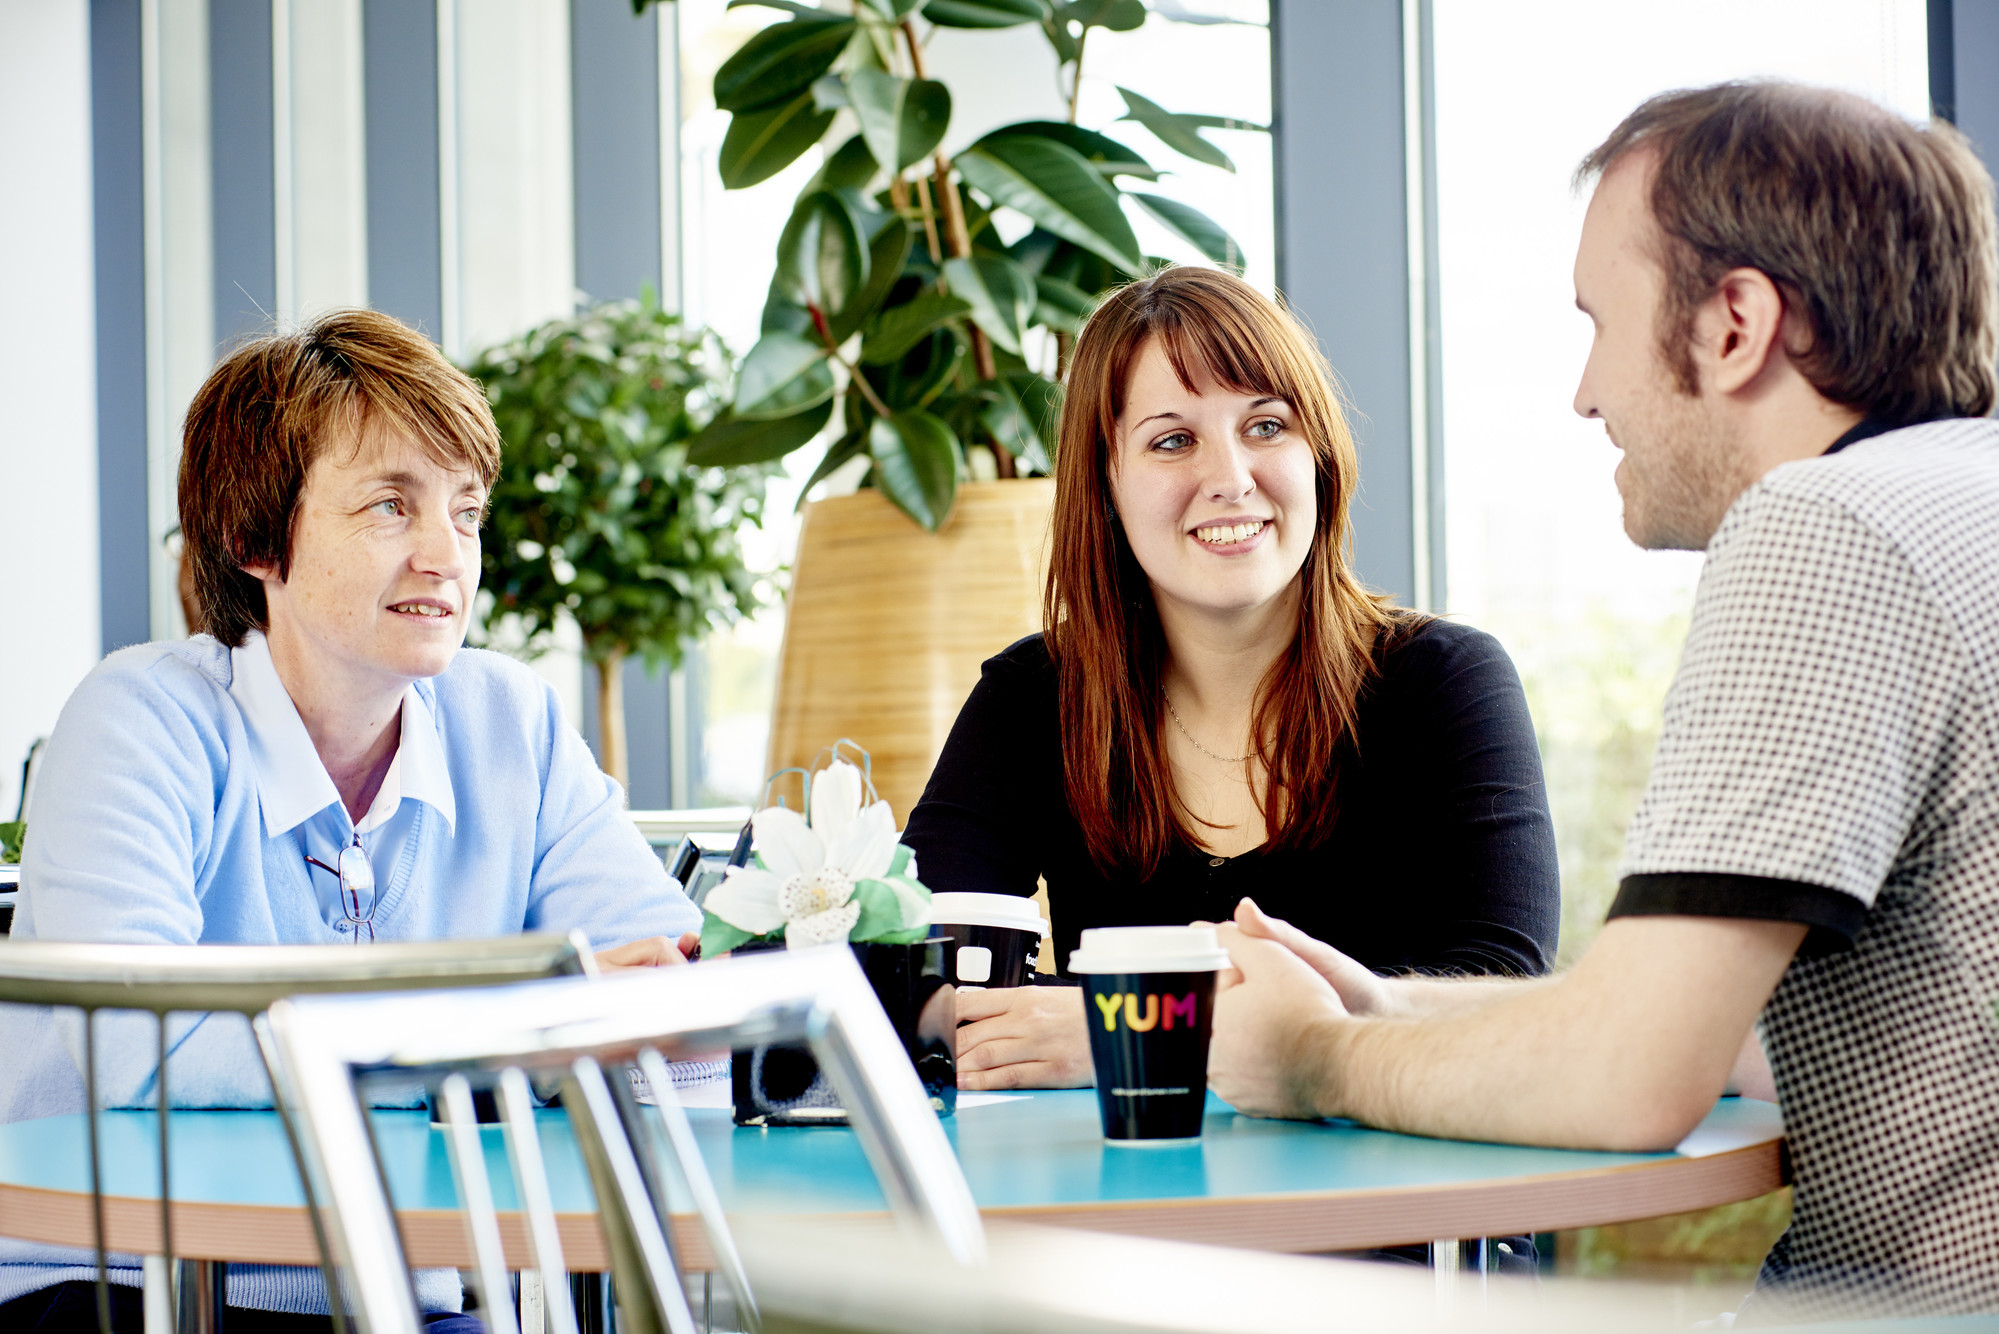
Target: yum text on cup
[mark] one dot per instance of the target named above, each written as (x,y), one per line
(1143,1014)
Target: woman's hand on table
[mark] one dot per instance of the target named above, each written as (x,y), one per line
(652,952)
(1023,1038)
(1274,1014)
(1361,992)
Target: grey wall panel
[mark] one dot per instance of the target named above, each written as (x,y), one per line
(244,185)
(616,127)
(614,80)
(1975,52)
(118,184)
(1342,242)
(404,245)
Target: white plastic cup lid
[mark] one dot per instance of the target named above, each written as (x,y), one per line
(1148,949)
(1002,910)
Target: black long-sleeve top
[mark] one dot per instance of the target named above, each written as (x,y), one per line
(1442,859)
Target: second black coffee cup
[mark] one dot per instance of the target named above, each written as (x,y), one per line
(1149,1001)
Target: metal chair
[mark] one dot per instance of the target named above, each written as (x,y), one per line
(588,1036)
(244,979)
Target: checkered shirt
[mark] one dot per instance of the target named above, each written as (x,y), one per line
(1830,755)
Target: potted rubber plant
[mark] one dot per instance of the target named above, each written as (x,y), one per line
(901,327)
(599,515)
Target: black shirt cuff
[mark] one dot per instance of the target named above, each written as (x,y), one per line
(1835,917)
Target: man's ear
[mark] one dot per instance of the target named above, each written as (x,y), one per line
(258,570)
(1739,333)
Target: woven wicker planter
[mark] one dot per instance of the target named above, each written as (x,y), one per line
(887,624)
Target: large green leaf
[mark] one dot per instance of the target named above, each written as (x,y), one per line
(1116,15)
(929,368)
(1101,151)
(782,375)
(849,446)
(1058,188)
(1193,226)
(886,255)
(1022,415)
(848,167)
(916,464)
(730,440)
(903,120)
(762,143)
(985,13)
(1181,133)
(902,327)
(780,60)
(1061,305)
(822,257)
(1001,294)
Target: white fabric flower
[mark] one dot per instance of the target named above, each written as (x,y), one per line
(806,882)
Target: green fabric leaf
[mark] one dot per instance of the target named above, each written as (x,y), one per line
(1181,133)
(902,327)
(903,120)
(881,911)
(1057,187)
(822,257)
(1001,294)
(1106,154)
(780,60)
(898,865)
(984,13)
(782,375)
(730,440)
(719,937)
(887,253)
(763,142)
(916,464)
(1193,226)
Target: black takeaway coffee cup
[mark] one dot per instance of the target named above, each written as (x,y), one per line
(1150,1005)
(995,937)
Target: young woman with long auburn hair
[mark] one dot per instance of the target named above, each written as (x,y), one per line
(1218,709)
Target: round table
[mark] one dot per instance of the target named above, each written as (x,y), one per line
(1272,1185)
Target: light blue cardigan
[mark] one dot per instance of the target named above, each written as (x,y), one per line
(147,829)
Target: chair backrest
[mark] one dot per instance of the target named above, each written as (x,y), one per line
(247,979)
(588,1036)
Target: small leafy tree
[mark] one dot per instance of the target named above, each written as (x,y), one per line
(598,514)
(897,309)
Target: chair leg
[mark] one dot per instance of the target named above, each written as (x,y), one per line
(203,1288)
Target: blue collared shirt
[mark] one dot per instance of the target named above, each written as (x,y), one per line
(297,797)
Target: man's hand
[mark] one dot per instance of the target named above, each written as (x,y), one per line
(652,952)
(1361,992)
(1273,1015)
(1023,1038)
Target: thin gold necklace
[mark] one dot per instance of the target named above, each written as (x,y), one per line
(1240,759)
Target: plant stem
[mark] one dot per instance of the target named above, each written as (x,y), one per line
(959,237)
(858,380)
(1076,84)
(929,221)
(611,717)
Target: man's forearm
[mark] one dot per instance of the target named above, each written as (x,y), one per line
(1418,997)
(1626,1051)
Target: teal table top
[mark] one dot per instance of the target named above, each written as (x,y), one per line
(1287,1185)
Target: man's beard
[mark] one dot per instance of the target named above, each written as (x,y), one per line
(1682,469)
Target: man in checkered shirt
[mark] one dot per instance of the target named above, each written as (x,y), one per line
(1793,295)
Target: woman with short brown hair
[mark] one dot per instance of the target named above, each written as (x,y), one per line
(1217,708)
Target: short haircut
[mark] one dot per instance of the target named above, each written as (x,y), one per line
(1879,233)
(273,406)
